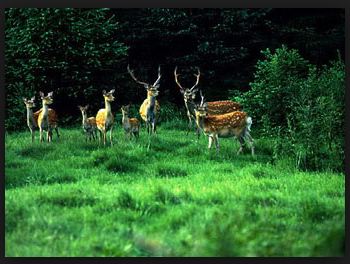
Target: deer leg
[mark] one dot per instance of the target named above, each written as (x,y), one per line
(251,142)
(41,134)
(100,137)
(241,142)
(216,139)
(110,136)
(189,124)
(58,135)
(210,142)
(32,134)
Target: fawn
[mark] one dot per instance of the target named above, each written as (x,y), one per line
(89,124)
(31,122)
(232,124)
(213,108)
(149,109)
(46,118)
(104,117)
(131,125)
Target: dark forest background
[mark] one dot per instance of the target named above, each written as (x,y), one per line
(286,66)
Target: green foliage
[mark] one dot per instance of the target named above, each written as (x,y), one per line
(64,50)
(301,107)
(184,202)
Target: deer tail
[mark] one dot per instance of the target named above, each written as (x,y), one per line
(249,122)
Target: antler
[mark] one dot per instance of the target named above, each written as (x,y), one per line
(176,80)
(157,81)
(133,76)
(202,102)
(197,75)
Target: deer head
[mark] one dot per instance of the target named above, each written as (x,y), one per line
(108,96)
(29,102)
(201,110)
(125,109)
(152,89)
(83,109)
(188,93)
(47,100)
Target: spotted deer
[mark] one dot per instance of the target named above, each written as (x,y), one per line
(89,124)
(31,122)
(149,109)
(213,108)
(104,117)
(131,125)
(231,124)
(46,117)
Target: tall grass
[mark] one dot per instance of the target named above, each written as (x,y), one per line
(72,198)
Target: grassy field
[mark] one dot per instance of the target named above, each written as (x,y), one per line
(72,198)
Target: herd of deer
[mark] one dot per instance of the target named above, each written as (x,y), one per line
(214,119)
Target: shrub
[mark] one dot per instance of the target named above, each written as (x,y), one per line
(301,107)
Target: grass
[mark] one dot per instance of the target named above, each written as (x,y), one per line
(72,198)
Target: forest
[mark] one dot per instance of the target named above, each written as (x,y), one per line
(285,67)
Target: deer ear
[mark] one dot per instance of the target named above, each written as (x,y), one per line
(87,106)
(111,91)
(195,90)
(50,94)
(182,91)
(146,86)
(41,94)
(24,99)
(104,92)
(157,86)
(33,98)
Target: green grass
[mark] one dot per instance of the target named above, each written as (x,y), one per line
(72,198)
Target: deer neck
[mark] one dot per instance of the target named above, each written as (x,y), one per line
(84,117)
(108,108)
(30,117)
(125,119)
(190,107)
(45,110)
(200,122)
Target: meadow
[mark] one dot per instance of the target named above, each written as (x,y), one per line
(73,198)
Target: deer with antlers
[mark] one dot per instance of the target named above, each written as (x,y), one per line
(104,117)
(89,124)
(149,109)
(131,125)
(46,117)
(213,108)
(231,124)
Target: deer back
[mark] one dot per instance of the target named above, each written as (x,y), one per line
(223,107)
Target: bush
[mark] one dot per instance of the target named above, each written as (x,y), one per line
(301,107)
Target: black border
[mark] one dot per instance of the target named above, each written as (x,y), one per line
(176,4)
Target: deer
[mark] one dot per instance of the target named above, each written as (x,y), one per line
(31,122)
(104,117)
(234,124)
(213,108)
(150,108)
(131,125)
(46,117)
(89,124)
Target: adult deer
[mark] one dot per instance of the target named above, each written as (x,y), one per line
(46,117)
(131,125)
(104,117)
(213,108)
(89,124)
(149,109)
(31,122)
(232,124)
